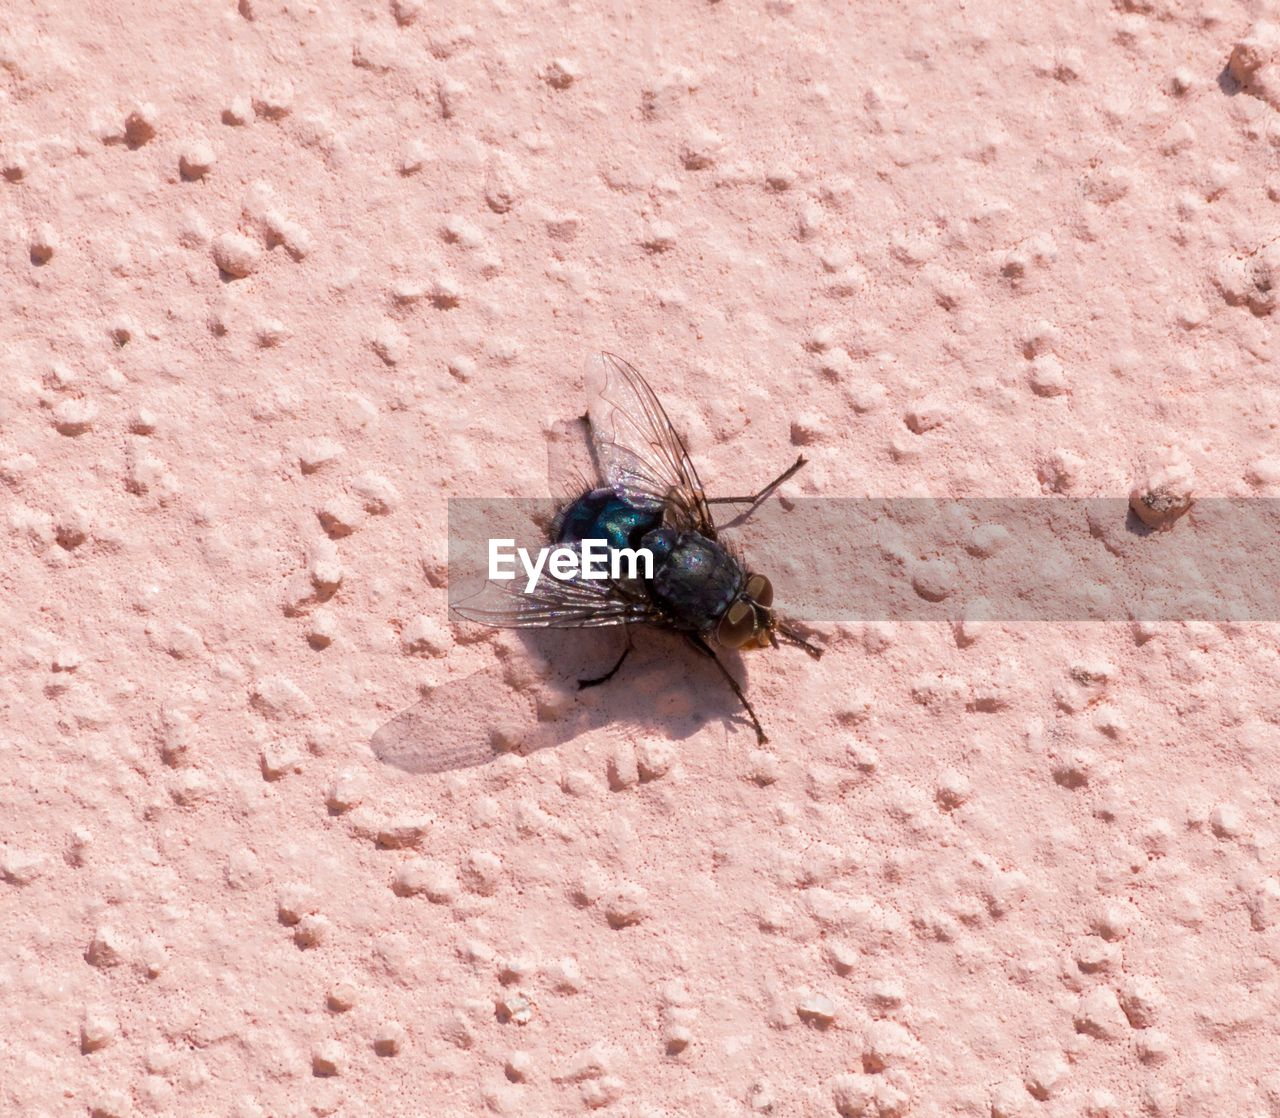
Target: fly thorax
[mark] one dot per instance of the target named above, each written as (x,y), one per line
(695,579)
(661,542)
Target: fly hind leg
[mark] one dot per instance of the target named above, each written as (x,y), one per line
(707,650)
(583,684)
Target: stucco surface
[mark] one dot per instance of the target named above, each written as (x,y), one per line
(279,278)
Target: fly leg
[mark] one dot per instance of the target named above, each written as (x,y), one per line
(707,650)
(757,499)
(583,684)
(794,638)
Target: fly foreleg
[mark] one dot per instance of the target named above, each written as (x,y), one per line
(707,650)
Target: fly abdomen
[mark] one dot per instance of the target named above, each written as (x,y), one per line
(694,580)
(602,515)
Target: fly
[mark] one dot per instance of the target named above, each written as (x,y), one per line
(647,496)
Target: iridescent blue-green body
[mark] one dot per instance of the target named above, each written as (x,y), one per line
(695,580)
(602,515)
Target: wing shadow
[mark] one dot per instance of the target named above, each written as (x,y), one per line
(529,699)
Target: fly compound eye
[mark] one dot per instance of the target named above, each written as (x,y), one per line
(760,590)
(737,626)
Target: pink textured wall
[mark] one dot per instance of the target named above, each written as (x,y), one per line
(278,278)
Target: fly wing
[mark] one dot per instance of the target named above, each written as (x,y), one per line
(639,452)
(553,603)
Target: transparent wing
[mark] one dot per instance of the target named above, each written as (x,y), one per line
(638,450)
(553,603)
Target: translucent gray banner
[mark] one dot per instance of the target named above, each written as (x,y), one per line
(841,560)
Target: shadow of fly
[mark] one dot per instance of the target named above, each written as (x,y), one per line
(646,500)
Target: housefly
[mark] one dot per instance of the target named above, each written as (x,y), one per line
(646,496)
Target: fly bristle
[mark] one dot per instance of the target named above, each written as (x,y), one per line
(565,502)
